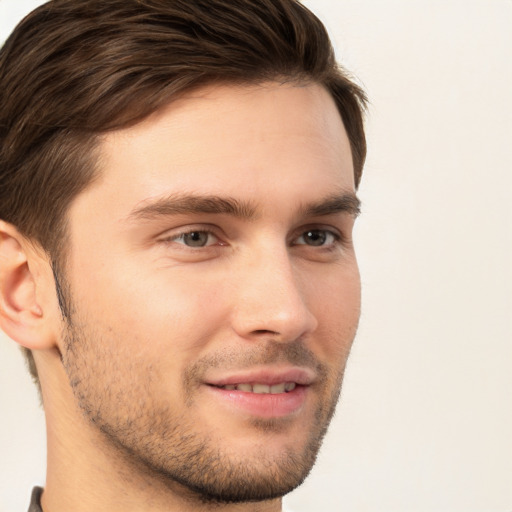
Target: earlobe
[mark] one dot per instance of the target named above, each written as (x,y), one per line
(22,317)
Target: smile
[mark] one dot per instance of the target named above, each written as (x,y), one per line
(283,387)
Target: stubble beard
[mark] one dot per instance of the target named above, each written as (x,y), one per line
(160,447)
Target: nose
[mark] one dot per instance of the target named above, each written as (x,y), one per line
(271,301)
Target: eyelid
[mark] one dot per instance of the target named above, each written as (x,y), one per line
(338,234)
(336,237)
(172,235)
(180,239)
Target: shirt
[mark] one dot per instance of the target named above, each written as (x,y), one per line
(35,502)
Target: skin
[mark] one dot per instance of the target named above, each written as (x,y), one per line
(265,286)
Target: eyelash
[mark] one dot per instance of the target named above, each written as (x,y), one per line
(337,238)
(176,237)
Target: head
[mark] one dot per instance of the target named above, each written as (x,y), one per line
(82,83)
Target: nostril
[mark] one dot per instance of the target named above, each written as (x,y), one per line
(266,332)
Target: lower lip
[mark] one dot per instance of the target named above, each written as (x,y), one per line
(263,405)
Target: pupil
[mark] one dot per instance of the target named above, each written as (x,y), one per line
(316,237)
(196,238)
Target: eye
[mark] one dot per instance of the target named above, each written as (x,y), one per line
(317,238)
(195,238)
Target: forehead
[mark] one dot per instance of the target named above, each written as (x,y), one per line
(276,139)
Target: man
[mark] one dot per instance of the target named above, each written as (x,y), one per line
(177,197)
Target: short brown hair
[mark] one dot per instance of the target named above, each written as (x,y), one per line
(74,69)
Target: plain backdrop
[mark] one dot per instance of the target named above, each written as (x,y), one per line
(425,421)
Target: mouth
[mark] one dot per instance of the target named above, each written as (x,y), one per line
(261,389)
(263,393)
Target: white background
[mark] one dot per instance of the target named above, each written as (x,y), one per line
(425,422)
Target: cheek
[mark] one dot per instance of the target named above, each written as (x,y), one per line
(337,306)
(156,312)
(143,332)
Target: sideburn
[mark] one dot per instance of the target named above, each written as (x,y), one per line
(61,289)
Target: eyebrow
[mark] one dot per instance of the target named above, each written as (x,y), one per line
(177,204)
(346,202)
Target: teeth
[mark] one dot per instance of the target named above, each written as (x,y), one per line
(278,388)
(260,388)
(283,387)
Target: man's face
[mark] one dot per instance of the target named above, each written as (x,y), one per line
(214,288)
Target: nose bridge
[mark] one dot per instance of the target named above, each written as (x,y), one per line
(270,298)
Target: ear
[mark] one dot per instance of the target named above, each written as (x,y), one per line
(26,313)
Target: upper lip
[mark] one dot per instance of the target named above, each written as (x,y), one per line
(269,376)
